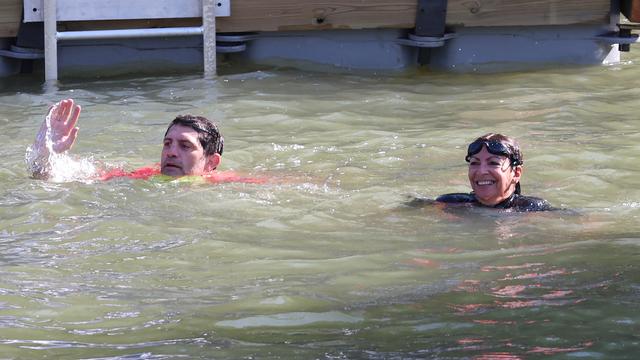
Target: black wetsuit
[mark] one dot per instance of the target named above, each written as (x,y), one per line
(515,202)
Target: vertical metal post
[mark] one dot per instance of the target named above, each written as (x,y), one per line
(50,40)
(431,21)
(209,37)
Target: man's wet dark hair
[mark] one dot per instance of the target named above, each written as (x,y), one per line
(208,134)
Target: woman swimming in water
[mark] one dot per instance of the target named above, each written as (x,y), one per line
(495,168)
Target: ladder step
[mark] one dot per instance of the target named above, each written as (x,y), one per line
(128,33)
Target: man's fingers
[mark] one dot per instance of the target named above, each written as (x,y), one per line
(57,113)
(71,138)
(75,114)
(51,109)
(66,106)
(54,112)
(63,117)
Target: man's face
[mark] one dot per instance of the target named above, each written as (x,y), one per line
(182,153)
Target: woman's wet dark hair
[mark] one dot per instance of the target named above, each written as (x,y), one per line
(498,144)
(208,134)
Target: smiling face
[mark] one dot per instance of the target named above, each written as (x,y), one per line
(182,153)
(492,177)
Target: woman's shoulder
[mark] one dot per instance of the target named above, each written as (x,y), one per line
(516,202)
(531,203)
(448,199)
(457,198)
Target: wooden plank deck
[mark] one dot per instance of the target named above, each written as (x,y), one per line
(281,15)
(527,12)
(10,17)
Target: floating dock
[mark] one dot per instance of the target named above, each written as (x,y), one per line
(120,36)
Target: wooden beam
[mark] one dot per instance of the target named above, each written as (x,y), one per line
(527,12)
(127,24)
(282,15)
(279,15)
(10,17)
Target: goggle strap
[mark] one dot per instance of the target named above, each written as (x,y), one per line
(490,145)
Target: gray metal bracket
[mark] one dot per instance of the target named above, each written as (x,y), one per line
(430,31)
(431,18)
(618,38)
(17,52)
(228,49)
(237,37)
(624,38)
(233,43)
(425,41)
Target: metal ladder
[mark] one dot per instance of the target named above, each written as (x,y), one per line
(48,11)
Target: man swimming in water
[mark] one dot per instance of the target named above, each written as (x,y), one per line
(495,168)
(192,145)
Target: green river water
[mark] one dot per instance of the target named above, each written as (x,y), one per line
(327,261)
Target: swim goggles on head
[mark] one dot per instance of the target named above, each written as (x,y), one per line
(495,148)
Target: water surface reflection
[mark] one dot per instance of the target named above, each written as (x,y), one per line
(330,263)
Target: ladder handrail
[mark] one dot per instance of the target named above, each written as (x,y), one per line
(52,36)
(50,40)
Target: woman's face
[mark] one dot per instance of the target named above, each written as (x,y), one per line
(492,177)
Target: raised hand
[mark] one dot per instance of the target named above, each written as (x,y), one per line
(58,127)
(63,117)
